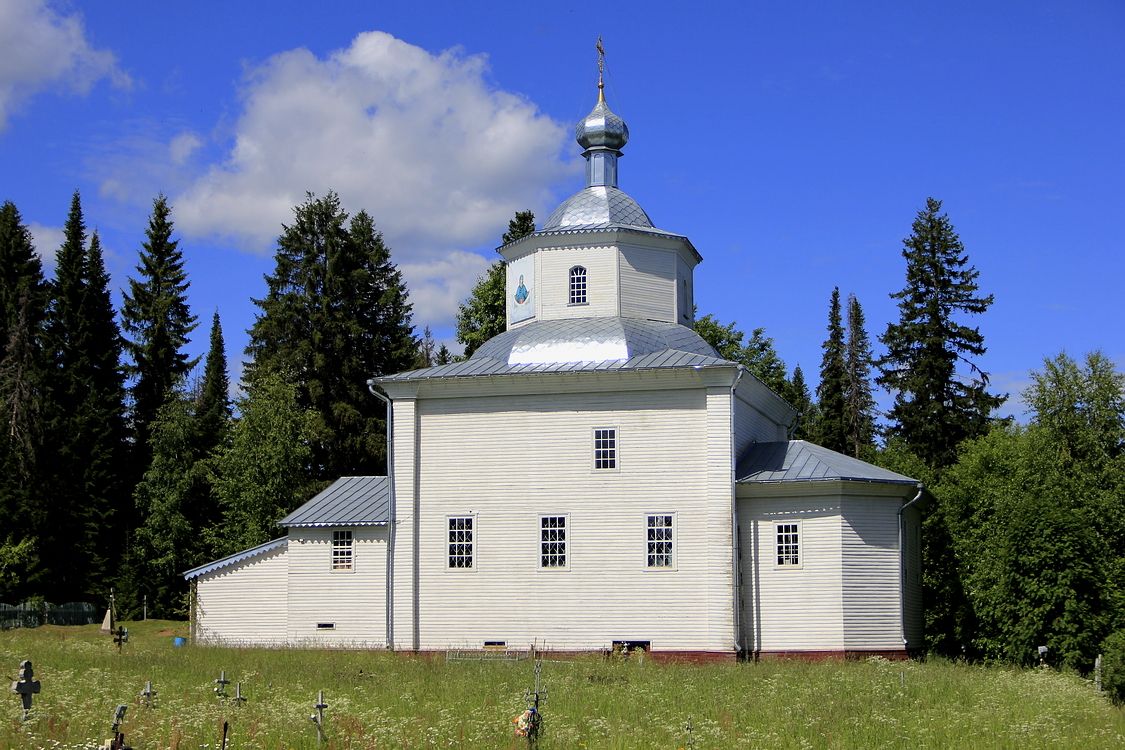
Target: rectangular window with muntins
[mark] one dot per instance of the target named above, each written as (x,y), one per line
(461,542)
(660,541)
(578,285)
(605,448)
(788,544)
(552,541)
(342,550)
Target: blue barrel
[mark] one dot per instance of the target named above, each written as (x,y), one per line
(178,641)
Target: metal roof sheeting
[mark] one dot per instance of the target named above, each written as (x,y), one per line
(802,461)
(236,558)
(349,501)
(570,345)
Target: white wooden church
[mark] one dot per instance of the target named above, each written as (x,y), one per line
(596,476)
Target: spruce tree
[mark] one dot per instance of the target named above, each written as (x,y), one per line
(936,406)
(157,320)
(799,397)
(101,424)
(336,313)
(212,409)
(23,379)
(484,314)
(831,429)
(85,428)
(858,399)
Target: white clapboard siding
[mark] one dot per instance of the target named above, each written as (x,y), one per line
(872,618)
(553,278)
(243,604)
(508,460)
(786,608)
(648,283)
(685,292)
(402,579)
(353,602)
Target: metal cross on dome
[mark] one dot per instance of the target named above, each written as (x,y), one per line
(26,686)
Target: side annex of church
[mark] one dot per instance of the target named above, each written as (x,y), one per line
(596,476)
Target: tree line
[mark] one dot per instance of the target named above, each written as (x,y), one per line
(126,462)
(1024,531)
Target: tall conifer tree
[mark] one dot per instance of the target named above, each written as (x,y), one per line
(86,431)
(859,402)
(936,406)
(799,397)
(23,301)
(157,321)
(335,314)
(213,411)
(831,394)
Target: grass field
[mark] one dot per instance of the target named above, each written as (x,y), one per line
(380,700)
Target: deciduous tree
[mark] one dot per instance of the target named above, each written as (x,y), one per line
(484,314)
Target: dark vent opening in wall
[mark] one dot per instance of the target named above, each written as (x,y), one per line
(625,647)
(326,626)
(495,644)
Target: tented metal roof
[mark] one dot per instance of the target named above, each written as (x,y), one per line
(236,558)
(580,345)
(802,461)
(349,501)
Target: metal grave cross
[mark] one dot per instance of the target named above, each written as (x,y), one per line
(238,698)
(222,683)
(148,695)
(26,686)
(121,637)
(318,717)
(118,741)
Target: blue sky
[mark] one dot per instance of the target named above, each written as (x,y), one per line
(792,142)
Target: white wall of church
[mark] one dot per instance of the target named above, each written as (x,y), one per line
(648,283)
(554,282)
(353,602)
(243,604)
(872,609)
(791,608)
(506,461)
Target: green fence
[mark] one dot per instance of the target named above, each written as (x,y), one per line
(34,614)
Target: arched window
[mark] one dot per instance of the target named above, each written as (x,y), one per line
(578,285)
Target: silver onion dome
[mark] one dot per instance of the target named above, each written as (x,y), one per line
(601,128)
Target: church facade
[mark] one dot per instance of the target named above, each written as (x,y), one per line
(594,477)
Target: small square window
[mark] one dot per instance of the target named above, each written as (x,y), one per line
(605,448)
(660,541)
(461,542)
(788,544)
(578,285)
(342,550)
(552,542)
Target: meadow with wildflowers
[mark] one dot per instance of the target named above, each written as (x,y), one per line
(383,700)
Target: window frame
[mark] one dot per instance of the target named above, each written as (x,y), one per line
(780,552)
(672,527)
(472,543)
(615,448)
(565,541)
(572,286)
(337,557)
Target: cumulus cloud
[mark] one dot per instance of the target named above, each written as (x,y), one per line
(42,48)
(47,241)
(440,158)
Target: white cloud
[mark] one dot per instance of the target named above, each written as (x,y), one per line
(47,241)
(43,48)
(439,158)
(182,147)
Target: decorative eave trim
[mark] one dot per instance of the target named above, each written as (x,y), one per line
(237,557)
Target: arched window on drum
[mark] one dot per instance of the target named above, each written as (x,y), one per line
(578,285)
